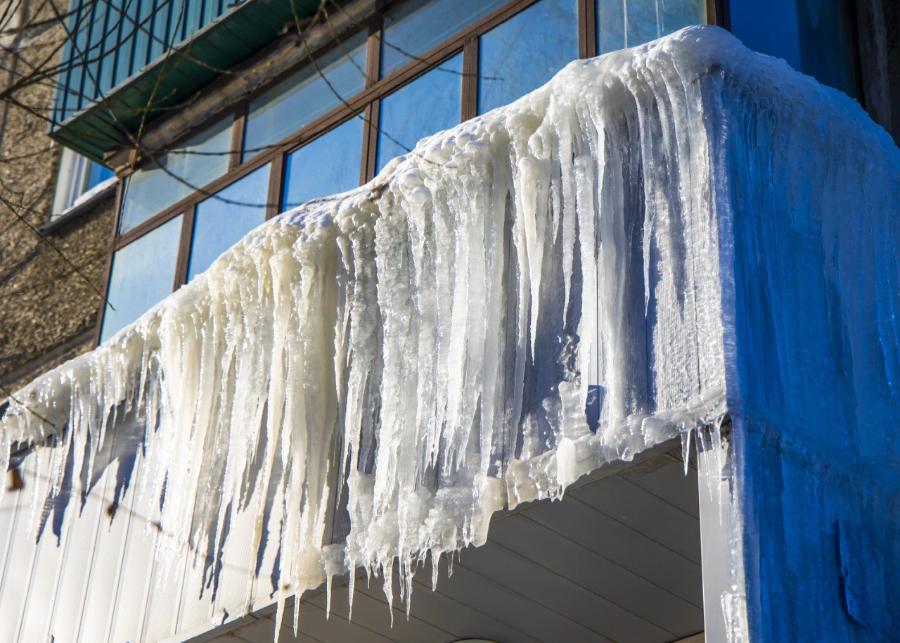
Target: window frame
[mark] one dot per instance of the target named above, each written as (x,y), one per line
(366,103)
(73,173)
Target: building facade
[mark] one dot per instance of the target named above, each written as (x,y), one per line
(171,129)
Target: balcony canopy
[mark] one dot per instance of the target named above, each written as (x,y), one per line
(127,63)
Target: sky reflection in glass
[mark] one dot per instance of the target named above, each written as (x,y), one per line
(305,96)
(141,275)
(427,105)
(413,28)
(191,165)
(526,51)
(627,23)
(222,220)
(327,165)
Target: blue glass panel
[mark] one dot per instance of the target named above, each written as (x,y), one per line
(188,168)
(526,51)
(611,28)
(413,28)
(305,96)
(815,37)
(223,219)
(427,105)
(97,174)
(328,165)
(141,275)
(627,23)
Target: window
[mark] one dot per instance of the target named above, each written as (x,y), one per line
(327,165)
(305,96)
(427,105)
(77,178)
(141,275)
(526,51)
(305,138)
(413,28)
(176,175)
(814,37)
(222,219)
(626,23)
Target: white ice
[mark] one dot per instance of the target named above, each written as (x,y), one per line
(363,381)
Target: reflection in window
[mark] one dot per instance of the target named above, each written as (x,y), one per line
(427,105)
(223,219)
(327,165)
(413,28)
(194,164)
(305,96)
(77,176)
(813,37)
(627,23)
(141,275)
(526,51)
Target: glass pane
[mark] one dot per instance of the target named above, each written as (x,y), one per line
(813,37)
(223,219)
(97,174)
(526,51)
(627,23)
(201,159)
(328,165)
(427,105)
(142,275)
(305,96)
(413,28)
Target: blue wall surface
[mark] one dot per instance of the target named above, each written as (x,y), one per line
(814,382)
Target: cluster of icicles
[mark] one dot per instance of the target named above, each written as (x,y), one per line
(520,300)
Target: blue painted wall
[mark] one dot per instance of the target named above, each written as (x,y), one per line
(814,385)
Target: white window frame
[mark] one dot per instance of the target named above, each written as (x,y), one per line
(72,182)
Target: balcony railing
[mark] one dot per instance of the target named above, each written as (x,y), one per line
(128,61)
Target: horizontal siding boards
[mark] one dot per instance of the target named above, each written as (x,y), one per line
(609,538)
(563,595)
(670,483)
(661,522)
(118,49)
(604,577)
(372,613)
(550,571)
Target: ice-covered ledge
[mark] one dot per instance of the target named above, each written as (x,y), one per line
(650,241)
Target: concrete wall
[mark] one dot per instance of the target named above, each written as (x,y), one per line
(49,310)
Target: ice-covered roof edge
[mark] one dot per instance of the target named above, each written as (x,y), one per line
(484,234)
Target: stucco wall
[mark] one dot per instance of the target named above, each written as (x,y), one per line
(49,309)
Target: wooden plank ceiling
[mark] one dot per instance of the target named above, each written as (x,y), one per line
(617,560)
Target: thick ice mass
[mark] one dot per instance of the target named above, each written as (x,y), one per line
(365,380)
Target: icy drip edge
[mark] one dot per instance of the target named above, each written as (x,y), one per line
(385,291)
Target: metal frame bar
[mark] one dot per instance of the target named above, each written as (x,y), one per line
(469,102)
(367,102)
(107,273)
(237,136)
(184,247)
(717,13)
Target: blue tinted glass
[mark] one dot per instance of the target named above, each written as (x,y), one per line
(141,275)
(305,96)
(813,37)
(201,159)
(223,219)
(526,51)
(413,28)
(97,174)
(427,105)
(328,165)
(627,23)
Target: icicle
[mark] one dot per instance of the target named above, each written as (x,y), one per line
(528,296)
(686,448)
